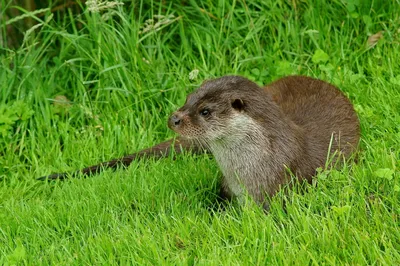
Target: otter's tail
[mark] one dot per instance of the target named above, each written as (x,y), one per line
(160,150)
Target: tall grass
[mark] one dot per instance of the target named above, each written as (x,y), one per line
(84,88)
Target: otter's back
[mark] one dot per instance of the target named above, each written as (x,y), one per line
(321,110)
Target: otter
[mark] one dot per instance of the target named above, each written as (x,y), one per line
(258,136)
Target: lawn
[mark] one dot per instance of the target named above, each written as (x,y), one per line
(89,86)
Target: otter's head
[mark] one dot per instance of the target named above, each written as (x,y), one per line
(209,111)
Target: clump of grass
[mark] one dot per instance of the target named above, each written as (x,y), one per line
(94,86)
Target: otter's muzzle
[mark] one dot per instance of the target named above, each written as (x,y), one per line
(175,120)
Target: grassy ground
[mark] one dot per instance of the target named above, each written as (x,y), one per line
(84,89)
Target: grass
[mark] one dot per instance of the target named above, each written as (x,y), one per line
(83,89)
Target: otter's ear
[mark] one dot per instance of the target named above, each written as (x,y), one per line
(238,105)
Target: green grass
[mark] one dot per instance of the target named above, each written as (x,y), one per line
(122,84)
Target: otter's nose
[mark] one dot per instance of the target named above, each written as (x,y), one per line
(174,120)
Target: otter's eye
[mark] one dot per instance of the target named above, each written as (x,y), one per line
(204,112)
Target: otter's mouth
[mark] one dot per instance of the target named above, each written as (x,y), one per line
(181,124)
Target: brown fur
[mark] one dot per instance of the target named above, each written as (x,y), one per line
(289,124)
(158,151)
(257,134)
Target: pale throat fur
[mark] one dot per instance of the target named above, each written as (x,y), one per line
(246,157)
